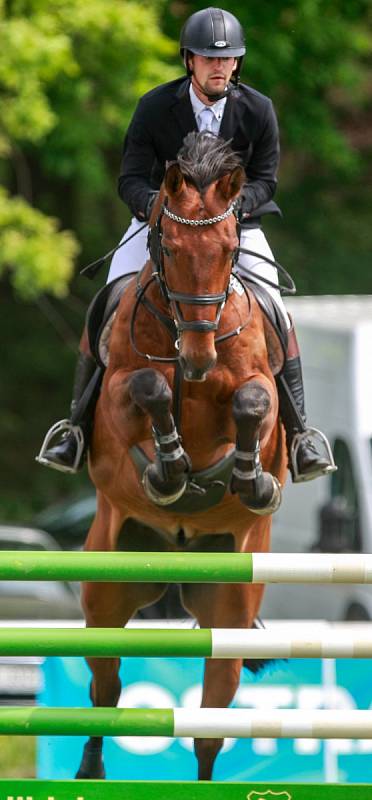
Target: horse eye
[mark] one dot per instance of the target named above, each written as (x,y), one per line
(166,251)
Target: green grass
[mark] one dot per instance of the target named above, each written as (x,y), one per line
(17,756)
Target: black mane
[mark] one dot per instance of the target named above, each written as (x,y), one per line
(205,158)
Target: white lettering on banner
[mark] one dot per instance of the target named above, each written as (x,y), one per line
(145,695)
(29,797)
(264,698)
(191,698)
(310,697)
(313,697)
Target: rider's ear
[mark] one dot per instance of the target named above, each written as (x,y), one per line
(174,180)
(229,186)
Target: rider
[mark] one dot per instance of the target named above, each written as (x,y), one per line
(211,98)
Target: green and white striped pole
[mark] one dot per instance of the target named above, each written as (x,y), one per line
(187,567)
(351,641)
(179,722)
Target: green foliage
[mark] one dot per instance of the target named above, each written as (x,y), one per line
(313,57)
(39,256)
(70,74)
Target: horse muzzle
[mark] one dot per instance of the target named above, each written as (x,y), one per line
(196,375)
(195,366)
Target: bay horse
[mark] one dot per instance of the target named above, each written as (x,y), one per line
(215,488)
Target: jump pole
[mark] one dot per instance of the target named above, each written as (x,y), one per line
(187,567)
(175,568)
(346,642)
(197,723)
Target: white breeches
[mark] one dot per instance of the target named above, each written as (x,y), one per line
(132,256)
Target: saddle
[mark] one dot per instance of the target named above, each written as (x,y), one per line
(102,310)
(275,326)
(101,314)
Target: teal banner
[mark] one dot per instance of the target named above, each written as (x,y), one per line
(163,683)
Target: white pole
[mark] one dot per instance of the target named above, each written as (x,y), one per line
(354,642)
(312,568)
(277,724)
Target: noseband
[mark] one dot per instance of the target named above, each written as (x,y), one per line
(173,299)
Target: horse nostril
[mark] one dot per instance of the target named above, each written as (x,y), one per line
(194,372)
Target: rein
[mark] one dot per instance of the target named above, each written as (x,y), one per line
(170,324)
(178,324)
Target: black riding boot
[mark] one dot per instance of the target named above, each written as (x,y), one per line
(305,461)
(68,455)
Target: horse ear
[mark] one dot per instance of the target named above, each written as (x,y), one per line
(229,186)
(173,179)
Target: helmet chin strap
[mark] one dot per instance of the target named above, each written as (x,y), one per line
(213,96)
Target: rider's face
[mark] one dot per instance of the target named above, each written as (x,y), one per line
(210,74)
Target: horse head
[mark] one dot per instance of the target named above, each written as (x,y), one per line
(197,241)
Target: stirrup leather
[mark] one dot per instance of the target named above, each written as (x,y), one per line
(66,427)
(298,477)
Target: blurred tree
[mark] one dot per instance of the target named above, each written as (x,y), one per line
(70,74)
(314,58)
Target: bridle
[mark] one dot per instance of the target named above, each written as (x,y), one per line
(178,324)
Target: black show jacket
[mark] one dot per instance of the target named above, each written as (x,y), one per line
(162,119)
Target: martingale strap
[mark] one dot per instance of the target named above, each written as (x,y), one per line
(205,488)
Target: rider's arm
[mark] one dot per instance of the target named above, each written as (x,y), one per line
(261,169)
(138,159)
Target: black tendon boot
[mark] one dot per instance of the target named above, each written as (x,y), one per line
(305,460)
(68,454)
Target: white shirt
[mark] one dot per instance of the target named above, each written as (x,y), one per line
(217,110)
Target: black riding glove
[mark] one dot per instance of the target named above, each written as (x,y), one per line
(244,204)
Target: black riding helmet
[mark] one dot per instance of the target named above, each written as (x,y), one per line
(213,32)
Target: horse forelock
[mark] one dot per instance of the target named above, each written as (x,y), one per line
(204,158)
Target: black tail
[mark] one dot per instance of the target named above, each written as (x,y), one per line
(258,665)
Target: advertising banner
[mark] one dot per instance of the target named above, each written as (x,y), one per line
(161,682)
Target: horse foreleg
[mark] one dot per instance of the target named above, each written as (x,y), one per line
(105,691)
(221,680)
(166,479)
(219,606)
(108,605)
(102,608)
(258,490)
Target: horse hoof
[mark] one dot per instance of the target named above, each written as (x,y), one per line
(271,506)
(91,767)
(158,498)
(96,773)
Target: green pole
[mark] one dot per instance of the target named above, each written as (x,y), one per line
(100,642)
(24,721)
(128,567)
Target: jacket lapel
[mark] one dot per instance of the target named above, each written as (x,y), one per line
(182,110)
(229,122)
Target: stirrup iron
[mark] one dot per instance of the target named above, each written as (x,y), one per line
(64,426)
(298,477)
